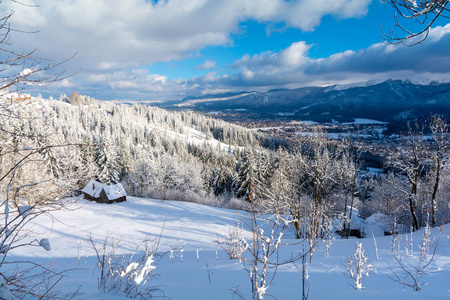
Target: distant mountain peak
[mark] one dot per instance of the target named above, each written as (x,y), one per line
(218,95)
(387,101)
(346,86)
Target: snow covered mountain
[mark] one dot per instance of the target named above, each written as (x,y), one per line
(390,101)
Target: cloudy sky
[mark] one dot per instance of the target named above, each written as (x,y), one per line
(170,49)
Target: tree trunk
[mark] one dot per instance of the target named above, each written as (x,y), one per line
(435,190)
(345,220)
(412,209)
(413,200)
(298,228)
(350,217)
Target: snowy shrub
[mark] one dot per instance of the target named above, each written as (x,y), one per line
(210,269)
(186,196)
(357,267)
(414,268)
(259,253)
(191,196)
(123,274)
(225,200)
(234,243)
(328,238)
(236,203)
(425,247)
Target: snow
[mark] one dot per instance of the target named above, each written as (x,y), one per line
(335,136)
(284,114)
(45,243)
(347,86)
(196,137)
(365,121)
(26,72)
(377,224)
(115,191)
(188,235)
(24,210)
(13,100)
(375,170)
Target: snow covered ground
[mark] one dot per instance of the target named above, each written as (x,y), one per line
(191,230)
(365,121)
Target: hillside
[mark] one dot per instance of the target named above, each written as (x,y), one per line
(191,230)
(172,154)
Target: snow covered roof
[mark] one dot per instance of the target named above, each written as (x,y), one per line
(94,188)
(115,191)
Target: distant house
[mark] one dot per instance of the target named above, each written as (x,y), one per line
(102,193)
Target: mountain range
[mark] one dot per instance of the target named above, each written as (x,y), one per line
(389,101)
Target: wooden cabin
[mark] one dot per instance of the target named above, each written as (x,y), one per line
(103,193)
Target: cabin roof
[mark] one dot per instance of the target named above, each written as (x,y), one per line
(94,188)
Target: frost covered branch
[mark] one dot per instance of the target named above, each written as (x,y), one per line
(357,267)
(127,274)
(424,13)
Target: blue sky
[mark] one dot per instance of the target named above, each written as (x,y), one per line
(331,36)
(171,49)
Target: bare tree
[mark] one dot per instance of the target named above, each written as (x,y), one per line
(439,133)
(410,162)
(28,160)
(260,254)
(413,270)
(388,198)
(357,267)
(21,69)
(75,98)
(423,13)
(349,185)
(320,178)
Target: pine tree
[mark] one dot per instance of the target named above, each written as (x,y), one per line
(106,160)
(248,176)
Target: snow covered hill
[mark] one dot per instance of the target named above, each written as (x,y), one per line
(194,267)
(389,101)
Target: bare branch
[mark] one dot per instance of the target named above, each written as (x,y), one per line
(421,12)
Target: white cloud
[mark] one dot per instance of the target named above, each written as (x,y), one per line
(291,67)
(32,17)
(208,64)
(295,54)
(114,33)
(248,74)
(307,14)
(439,32)
(65,83)
(106,65)
(115,40)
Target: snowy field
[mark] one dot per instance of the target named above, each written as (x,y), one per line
(194,267)
(363,121)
